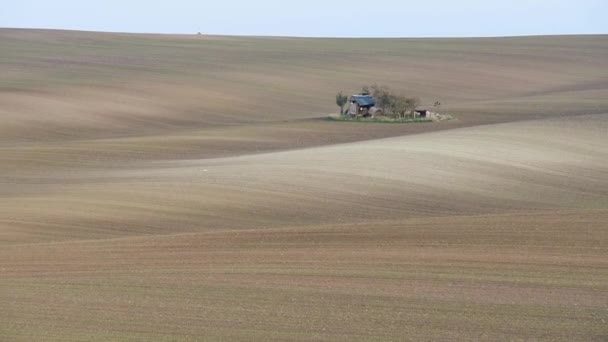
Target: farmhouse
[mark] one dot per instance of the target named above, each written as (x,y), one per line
(361,105)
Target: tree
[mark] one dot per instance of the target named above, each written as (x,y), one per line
(383,95)
(401,106)
(412,103)
(341,101)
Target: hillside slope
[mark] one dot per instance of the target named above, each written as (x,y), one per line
(64,85)
(488,233)
(181,187)
(556,163)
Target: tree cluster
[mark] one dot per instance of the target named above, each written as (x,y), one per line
(392,103)
(398,105)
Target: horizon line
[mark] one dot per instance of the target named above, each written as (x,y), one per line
(298,36)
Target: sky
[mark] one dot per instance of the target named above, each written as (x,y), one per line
(314,18)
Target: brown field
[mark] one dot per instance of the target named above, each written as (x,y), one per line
(186,188)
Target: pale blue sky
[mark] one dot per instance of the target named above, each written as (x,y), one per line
(374,18)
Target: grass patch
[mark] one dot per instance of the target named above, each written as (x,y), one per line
(376,120)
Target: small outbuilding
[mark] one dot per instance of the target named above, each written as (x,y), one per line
(423,113)
(360,105)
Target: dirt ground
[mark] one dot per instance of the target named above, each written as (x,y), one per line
(175,188)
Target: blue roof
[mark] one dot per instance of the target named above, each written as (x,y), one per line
(364,100)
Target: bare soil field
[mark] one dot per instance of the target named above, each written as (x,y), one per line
(157,187)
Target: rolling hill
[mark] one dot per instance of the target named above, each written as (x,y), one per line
(158,187)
